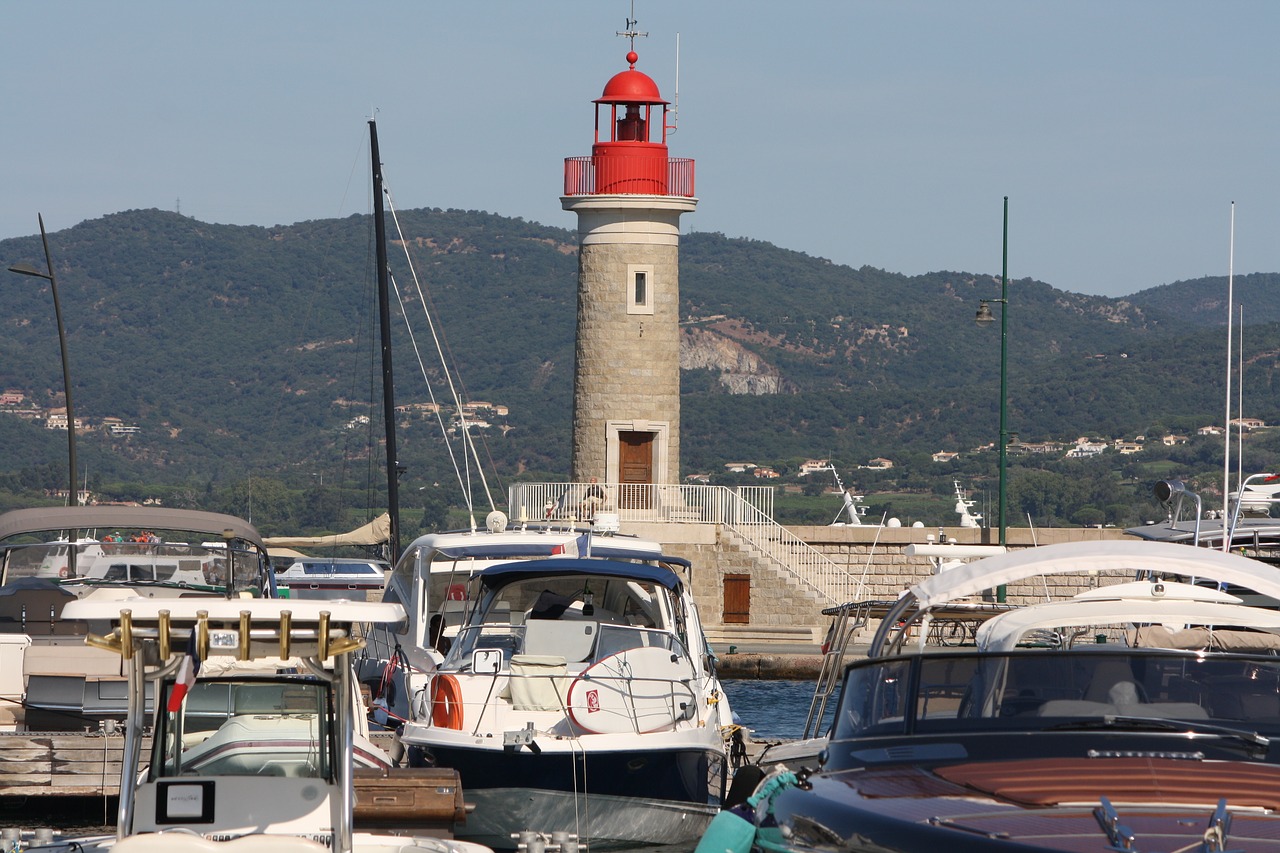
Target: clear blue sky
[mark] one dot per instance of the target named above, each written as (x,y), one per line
(880,133)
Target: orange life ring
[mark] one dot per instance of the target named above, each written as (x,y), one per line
(446,702)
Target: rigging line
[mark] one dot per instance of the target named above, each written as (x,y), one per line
(466,491)
(463,483)
(462,420)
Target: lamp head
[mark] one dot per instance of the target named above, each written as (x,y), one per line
(28,269)
(1166,489)
(984,317)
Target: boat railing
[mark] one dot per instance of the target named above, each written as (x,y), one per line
(846,621)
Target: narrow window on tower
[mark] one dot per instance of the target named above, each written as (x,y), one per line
(639,289)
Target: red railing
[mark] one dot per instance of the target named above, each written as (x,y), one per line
(627,175)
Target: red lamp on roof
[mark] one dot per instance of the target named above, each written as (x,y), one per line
(625,158)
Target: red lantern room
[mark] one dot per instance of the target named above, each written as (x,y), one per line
(630,157)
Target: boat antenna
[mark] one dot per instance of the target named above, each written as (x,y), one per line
(849,505)
(384,321)
(1239,413)
(866,567)
(1226,431)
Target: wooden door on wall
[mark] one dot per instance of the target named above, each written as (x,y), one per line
(635,468)
(737,599)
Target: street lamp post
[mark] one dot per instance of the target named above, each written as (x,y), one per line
(28,269)
(984,318)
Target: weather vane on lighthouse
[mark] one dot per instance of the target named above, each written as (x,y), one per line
(631,32)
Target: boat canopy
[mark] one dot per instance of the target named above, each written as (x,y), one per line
(39,519)
(501,575)
(1136,557)
(1157,590)
(1005,631)
(539,544)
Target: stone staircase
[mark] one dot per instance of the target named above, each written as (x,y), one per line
(784,608)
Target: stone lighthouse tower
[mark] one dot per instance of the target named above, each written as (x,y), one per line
(628,196)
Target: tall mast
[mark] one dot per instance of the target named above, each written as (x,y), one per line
(1226,427)
(384,322)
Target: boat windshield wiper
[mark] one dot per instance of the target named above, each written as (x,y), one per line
(1256,744)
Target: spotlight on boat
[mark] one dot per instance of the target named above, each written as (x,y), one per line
(1166,489)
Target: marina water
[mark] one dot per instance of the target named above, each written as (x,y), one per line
(773,710)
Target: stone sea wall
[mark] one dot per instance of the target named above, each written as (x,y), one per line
(784,610)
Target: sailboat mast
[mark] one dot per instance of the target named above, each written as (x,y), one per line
(1226,427)
(384,322)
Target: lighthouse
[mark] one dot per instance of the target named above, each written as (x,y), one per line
(628,196)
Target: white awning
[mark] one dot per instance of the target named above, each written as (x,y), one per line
(1004,631)
(1131,557)
(375,532)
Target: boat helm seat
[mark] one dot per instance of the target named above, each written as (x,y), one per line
(1113,675)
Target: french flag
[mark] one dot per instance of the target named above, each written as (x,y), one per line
(187,672)
(579,547)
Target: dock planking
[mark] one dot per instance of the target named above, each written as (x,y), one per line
(61,763)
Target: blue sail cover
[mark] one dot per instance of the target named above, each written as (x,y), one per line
(495,577)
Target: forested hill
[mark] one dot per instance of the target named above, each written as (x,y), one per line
(244,347)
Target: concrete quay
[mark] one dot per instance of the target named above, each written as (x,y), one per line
(769,665)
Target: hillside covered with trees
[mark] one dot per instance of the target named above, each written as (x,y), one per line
(247,359)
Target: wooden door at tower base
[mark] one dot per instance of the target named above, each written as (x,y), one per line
(737,600)
(635,469)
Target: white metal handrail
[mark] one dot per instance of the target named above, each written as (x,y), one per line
(747,511)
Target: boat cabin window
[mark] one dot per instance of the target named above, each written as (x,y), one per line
(267,727)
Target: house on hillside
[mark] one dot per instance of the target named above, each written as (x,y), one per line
(764,472)
(57,419)
(739,467)
(1171,440)
(1209,430)
(879,463)
(1084,448)
(1042,447)
(1127,447)
(944,456)
(812,466)
(116,426)
(12,397)
(1249,423)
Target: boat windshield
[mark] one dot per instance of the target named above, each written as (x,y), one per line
(256,727)
(579,618)
(1038,689)
(133,560)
